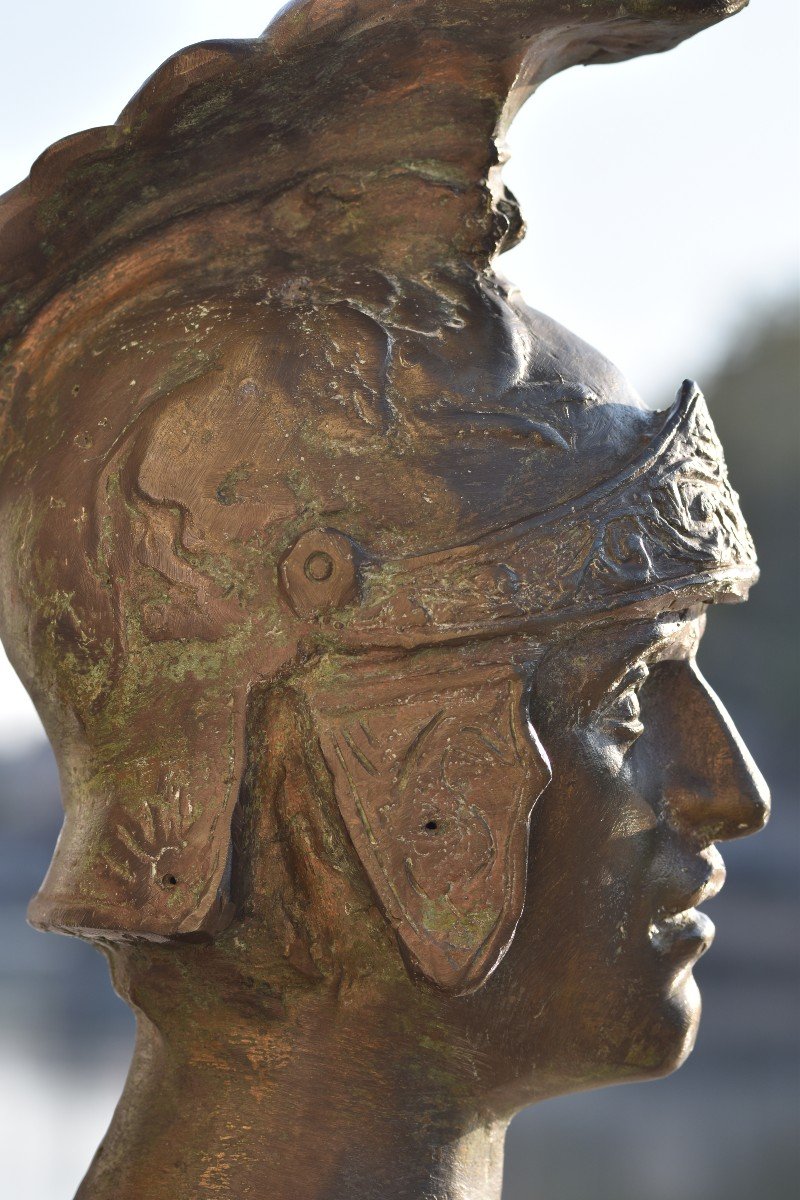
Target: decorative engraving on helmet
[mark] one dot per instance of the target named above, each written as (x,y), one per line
(682,517)
(149,840)
(670,520)
(416,773)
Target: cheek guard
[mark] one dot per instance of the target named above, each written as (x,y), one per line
(436,784)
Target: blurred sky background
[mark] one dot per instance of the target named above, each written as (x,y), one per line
(662,201)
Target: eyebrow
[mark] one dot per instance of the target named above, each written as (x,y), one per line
(678,643)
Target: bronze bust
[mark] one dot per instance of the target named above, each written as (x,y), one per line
(360,603)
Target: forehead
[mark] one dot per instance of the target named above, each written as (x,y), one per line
(596,658)
(673,635)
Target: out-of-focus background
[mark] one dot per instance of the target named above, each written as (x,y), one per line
(662,200)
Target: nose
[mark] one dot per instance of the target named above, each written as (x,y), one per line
(713,788)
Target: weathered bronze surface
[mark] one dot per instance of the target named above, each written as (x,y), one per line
(360,603)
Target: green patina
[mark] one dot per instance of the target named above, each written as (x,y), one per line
(226,492)
(462,929)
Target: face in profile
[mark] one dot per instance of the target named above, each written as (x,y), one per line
(648,773)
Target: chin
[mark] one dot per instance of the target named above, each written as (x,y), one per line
(666,1038)
(653,1040)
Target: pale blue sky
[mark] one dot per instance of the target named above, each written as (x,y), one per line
(661,195)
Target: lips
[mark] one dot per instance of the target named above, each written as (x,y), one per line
(690,882)
(682,936)
(679,930)
(712,882)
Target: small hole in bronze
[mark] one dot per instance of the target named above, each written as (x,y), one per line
(318,566)
(169,881)
(432,825)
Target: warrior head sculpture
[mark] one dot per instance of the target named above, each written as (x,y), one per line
(360,601)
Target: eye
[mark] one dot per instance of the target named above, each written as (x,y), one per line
(620,713)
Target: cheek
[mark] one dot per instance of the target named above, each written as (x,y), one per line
(627,841)
(593,837)
(589,899)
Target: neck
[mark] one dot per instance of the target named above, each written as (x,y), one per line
(316,1096)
